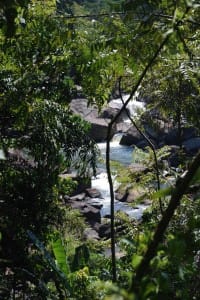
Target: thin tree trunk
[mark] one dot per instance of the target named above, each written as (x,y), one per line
(108,168)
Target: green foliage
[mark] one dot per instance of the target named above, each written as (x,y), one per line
(43,56)
(146,156)
(60,256)
(66,186)
(40,138)
(60,270)
(174,91)
(9,11)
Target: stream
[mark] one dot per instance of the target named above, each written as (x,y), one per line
(122,154)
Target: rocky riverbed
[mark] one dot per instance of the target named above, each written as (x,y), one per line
(93,201)
(160,131)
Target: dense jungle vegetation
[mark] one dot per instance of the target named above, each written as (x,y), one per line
(48,48)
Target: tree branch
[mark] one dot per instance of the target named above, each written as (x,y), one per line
(108,168)
(149,142)
(181,187)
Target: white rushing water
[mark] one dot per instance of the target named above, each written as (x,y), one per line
(134,105)
(121,154)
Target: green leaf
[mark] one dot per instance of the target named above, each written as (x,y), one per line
(136,260)
(2,155)
(150,288)
(181,273)
(81,257)
(60,255)
(48,258)
(196,178)
(162,193)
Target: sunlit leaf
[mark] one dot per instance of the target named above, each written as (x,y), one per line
(136,260)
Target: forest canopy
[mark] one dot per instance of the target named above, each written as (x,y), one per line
(50,51)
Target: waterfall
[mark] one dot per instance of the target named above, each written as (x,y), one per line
(134,105)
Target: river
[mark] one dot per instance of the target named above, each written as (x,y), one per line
(122,154)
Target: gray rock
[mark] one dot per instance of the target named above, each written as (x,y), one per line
(80,107)
(99,129)
(143,143)
(91,214)
(122,198)
(95,203)
(93,193)
(172,138)
(104,231)
(110,113)
(90,234)
(78,197)
(122,127)
(99,125)
(174,157)
(131,137)
(192,145)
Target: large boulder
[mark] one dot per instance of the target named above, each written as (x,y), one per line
(90,234)
(192,145)
(122,127)
(172,137)
(104,231)
(131,137)
(174,159)
(99,129)
(99,123)
(110,113)
(80,107)
(93,193)
(92,214)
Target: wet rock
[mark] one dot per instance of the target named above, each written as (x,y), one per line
(91,214)
(122,198)
(104,231)
(172,137)
(192,145)
(131,137)
(143,143)
(123,127)
(99,129)
(93,193)
(99,124)
(174,157)
(78,197)
(95,203)
(91,234)
(110,113)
